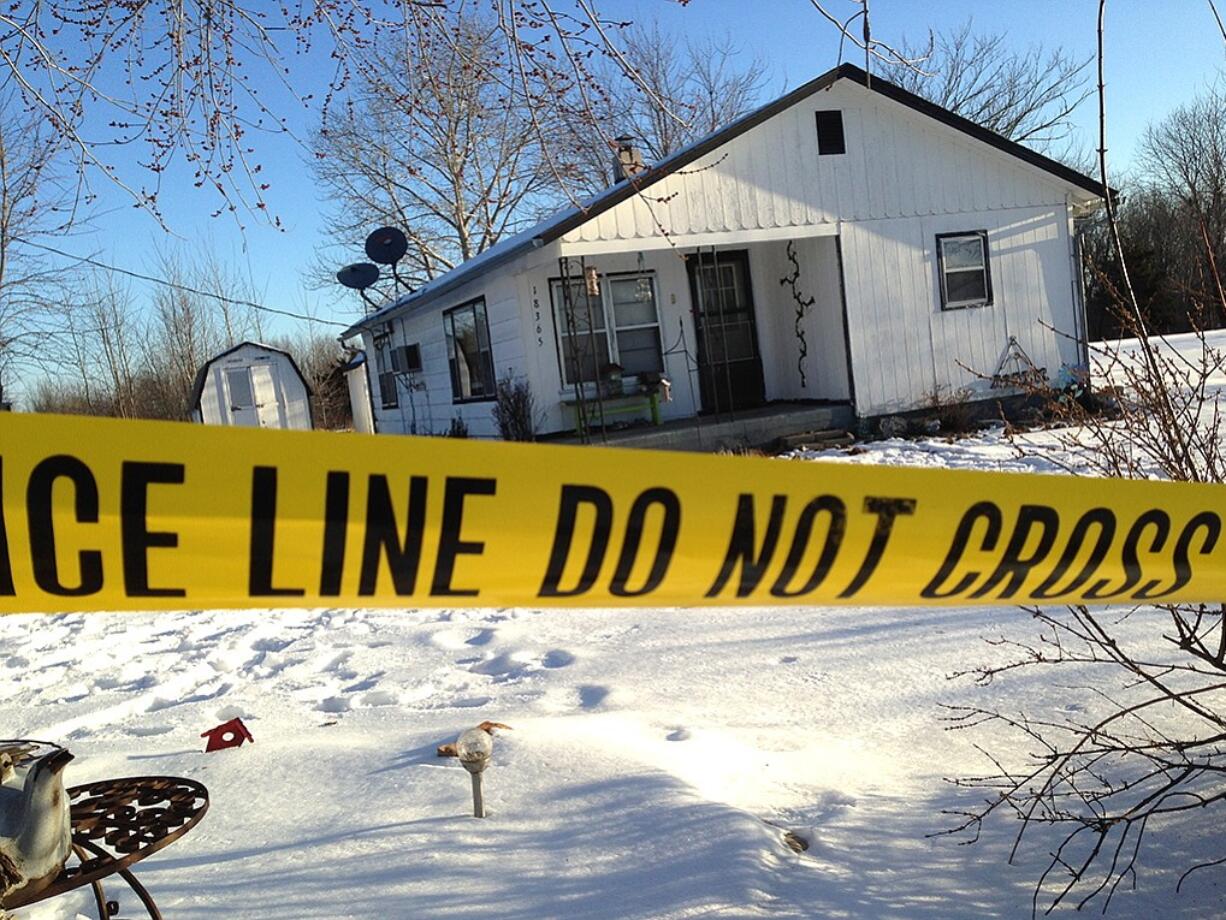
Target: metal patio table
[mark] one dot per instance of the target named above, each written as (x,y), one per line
(118,822)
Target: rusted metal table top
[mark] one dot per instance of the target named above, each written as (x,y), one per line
(118,822)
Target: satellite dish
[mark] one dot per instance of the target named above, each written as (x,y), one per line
(359,275)
(387,246)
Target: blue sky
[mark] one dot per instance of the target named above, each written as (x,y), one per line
(1158,55)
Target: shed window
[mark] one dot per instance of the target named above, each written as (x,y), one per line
(966,278)
(830,132)
(238,381)
(626,305)
(468,352)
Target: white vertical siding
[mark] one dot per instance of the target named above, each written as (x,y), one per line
(905,348)
(426,404)
(826,362)
(898,163)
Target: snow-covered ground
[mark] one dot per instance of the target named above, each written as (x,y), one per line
(656,761)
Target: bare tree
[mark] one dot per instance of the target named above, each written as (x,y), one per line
(430,141)
(33,206)
(1027,96)
(1146,744)
(1185,154)
(321,360)
(682,90)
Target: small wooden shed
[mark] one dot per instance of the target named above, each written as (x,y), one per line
(252,385)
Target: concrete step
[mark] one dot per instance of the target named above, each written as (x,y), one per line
(815,440)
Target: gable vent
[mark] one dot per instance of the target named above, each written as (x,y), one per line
(830,132)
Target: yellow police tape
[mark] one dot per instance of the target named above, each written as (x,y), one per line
(119,515)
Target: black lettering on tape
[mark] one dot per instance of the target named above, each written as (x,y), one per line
(837,511)
(1161,522)
(6,562)
(743,547)
(336,529)
(1212,525)
(669,531)
(1013,566)
(887,510)
(986,511)
(564,534)
(1104,520)
(42,525)
(137,538)
(263,534)
(383,537)
(449,544)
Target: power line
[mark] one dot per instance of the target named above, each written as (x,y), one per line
(180,287)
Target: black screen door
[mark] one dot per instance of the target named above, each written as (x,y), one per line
(729,363)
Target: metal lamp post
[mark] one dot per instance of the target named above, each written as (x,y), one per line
(474,748)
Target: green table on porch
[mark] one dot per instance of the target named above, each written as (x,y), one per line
(625,404)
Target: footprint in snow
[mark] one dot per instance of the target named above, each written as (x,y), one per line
(558,658)
(269,644)
(380,698)
(147,731)
(482,637)
(368,684)
(679,734)
(592,695)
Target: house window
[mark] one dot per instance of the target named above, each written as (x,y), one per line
(966,279)
(830,133)
(468,352)
(626,305)
(386,377)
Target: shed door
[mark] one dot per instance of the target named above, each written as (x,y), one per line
(729,363)
(268,396)
(240,394)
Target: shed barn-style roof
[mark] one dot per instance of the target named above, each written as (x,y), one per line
(563,222)
(203,373)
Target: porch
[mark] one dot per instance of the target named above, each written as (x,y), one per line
(741,342)
(747,428)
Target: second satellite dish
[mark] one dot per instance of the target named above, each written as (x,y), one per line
(359,275)
(387,246)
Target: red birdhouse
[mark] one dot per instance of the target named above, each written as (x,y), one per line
(227,735)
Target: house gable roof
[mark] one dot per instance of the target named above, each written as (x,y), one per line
(563,222)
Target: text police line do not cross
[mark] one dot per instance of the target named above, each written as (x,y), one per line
(138,515)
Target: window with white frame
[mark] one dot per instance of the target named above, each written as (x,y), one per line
(388,395)
(626,308)
(966,278)
(468,352)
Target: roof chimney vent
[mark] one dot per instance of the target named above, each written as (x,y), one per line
(628,161)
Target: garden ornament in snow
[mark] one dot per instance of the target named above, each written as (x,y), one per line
(35,831)
(452,750)
(474,748)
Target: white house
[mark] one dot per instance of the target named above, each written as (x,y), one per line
(848,244)
(253,385)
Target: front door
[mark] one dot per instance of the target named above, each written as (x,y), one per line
(729,363)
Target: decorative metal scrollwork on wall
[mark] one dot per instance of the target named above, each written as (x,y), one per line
(802,304)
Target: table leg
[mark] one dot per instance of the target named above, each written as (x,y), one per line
(145,897)
(99,894)
(137,888)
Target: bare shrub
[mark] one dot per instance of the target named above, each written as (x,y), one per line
(515,410)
